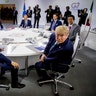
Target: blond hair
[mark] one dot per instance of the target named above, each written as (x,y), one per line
(62,29)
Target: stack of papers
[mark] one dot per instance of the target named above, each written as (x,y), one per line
(41,48)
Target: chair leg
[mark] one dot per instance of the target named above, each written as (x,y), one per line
(62,82)
(46,81)
(56,81)
(56,88)
(78,60)
(4,86)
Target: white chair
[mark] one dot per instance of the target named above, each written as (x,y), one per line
(83,36)
(59,74)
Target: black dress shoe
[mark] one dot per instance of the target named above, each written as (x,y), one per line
(18,85)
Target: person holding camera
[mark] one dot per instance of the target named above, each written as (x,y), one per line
(82,16)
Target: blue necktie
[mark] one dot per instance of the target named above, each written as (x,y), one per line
(53,25)
(25,24)
(53,46)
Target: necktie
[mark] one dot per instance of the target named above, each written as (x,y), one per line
(69,28)
(53,46)
(25,24)
(53,25)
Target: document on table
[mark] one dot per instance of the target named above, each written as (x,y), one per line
(36,48)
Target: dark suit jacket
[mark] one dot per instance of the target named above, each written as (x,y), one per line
(24,25)
(37,13)
(49,13)
(29,14)
(61,53)
(74,30)
(56,24)
(15,13)
(82,18)
(66,14)
(1,26)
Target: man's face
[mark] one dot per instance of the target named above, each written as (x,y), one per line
(60,38)
(70,20)
(25,17)
(55,17)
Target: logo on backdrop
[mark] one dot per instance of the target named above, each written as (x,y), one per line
(75,5)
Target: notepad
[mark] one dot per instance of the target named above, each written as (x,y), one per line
(35,48)
(40,48)
(45,42)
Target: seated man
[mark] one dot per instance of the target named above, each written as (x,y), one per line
(73,28)
(25,23)
(58,50)
(7,64)
(56,22)
(1,26)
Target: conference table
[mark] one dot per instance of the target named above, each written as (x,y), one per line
(19,43)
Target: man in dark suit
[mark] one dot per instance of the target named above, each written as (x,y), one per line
(1,26)
(82,16)
(57,11)
(73,27)
(66,14)
(58,50)
(25,23)
(7,64)
(49,14)
(29,12)
(37,15)
(15,13)
(55,23)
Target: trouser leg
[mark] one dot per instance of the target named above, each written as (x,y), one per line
(37,22)
(14,73)
(14,76)
(16,20)
(34,22)
(40,69)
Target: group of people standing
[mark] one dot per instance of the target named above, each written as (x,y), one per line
(36,11)
(9,14)
(50,15)
(82,14)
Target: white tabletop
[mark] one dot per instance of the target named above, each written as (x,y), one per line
(19,44)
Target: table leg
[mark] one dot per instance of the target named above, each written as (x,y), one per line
(26,66)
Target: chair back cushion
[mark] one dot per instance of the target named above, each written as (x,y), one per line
(62,68)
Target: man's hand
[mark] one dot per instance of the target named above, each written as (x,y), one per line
(42,58)
(1,49)
(27,27)
(53,30)
(15,65)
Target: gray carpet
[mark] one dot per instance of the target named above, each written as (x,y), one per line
(82,77)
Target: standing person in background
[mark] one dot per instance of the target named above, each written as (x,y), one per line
(29,12)
(37,15)
(1,26)
(49,14)
(82,16)
(54,23)
(57,11)
(66,14)
(15,13)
